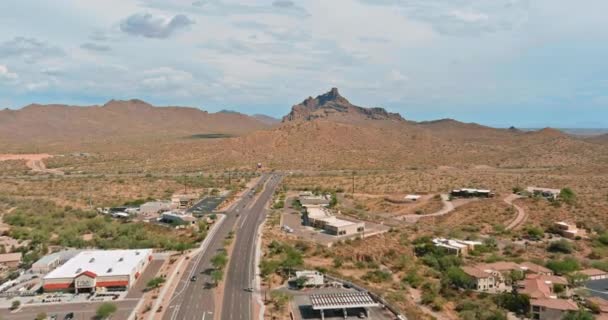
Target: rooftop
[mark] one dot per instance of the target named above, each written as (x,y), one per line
(10,257)
(101,263)
(557,304)
(593,272)
(342,300)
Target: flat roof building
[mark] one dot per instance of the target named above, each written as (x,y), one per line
(548,193)
(51,261)
(308,199)
(455,246)
(177,217)
(182,201)
(320,217)
(91,271)
(313,278)
(470,193)
(154,207)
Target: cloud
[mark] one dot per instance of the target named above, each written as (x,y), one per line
(95,47)
(5,74)
(99,36)
(283,3)
(150,26)
(30,50)
(165,78)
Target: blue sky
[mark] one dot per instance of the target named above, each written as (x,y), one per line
(527,63)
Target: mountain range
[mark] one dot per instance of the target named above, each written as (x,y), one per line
(322,132)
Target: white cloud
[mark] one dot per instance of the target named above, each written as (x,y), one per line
(166,78)
(31,50)
(6,74)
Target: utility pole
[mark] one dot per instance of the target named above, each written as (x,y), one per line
(354,183)
(185,187)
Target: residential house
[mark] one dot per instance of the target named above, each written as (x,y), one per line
(595,274)
(534,268)
(551,309)
(455,246)
(10,260)
(486,280)
(548,193)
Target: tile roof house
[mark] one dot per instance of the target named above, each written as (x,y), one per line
(595,274)
(551,309)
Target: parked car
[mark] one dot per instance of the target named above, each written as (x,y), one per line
(69,316)
(193,278)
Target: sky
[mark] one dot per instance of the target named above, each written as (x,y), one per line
(523,63)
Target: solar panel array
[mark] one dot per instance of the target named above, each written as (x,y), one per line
(342,300)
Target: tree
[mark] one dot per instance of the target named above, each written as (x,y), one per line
(301,282)
(514,302)
(41,316)
(578,315)
(105,310)
(155,282)
(279,299)
(220,260)
(15,305)
(334,200)
(567,195)
(564,266)
(217,276)
(455,277)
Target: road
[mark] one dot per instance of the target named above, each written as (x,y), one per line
(521,213)
(448,206)
(237,303)
(195,300)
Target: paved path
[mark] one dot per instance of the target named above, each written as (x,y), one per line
(448,206)
(521,213)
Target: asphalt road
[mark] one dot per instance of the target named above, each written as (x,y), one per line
(237,303)
(194,300)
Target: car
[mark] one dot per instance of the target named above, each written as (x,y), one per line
(249,289)
(69,316)
(193,278)
(53,317)
(361,315)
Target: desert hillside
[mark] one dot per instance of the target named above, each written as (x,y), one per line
(40,124)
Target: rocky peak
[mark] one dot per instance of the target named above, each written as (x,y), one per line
(332,104)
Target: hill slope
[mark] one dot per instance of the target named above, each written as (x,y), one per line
(116,119)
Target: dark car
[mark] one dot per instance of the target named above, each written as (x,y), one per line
(193,278)
(53,317)
(69,316)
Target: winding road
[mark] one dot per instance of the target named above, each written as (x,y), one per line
(521,213)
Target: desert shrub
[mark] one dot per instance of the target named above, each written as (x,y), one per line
(564,266)
(560,246)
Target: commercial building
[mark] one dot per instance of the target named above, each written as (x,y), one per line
(551,309)
(455,246)
(51,261)
(309,199)
(342,301)
(548,193)
(10,260)
(182,201)
(177,217)
(154,207)
(595,274)
(320,217)
(99,270)
(471,193)
(313,278)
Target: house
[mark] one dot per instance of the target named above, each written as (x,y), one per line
(313,278)
(471,193)
(502,266)
(486,280)
(455,246)
(183,201)
(320,217)
(547,193)
(595,274)
(567,230)
(534,268)
(538,286)
(10,260)
(551,309)
(98,270)
(602,304)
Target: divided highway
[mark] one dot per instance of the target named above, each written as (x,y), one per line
(195,300)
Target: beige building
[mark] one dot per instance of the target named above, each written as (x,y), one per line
(568,230)
(455,246)
(486,280)
(321,218)
(10,260)
(551,309)
(183,201)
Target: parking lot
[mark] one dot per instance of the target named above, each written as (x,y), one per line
(598,288)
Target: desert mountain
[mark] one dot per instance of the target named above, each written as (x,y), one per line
(267,119)
(116,119)
(334,106)
(601,139)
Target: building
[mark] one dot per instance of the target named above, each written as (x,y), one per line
(550,194)
(486,280)
(11,260)
(534,268)
(321,218)
(471,193)
(342,301)
(551,309)
(412,197)
(99,270)
(177,218)
(309,199)
(455,246)
(51,261)
(154,207)
(595,274)
(567,230)
(313,278)
(182,201)
(542,286)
